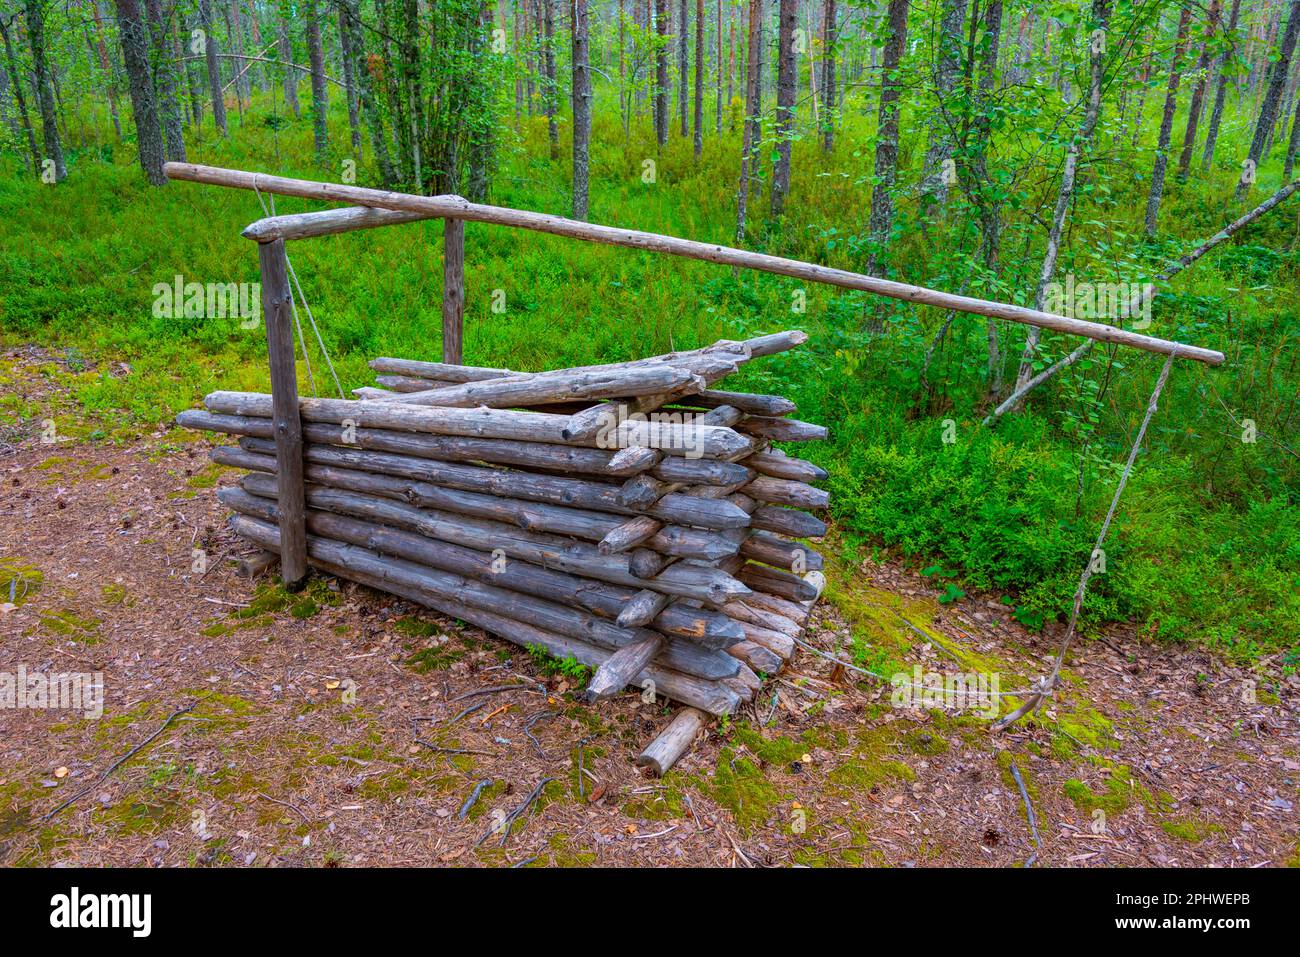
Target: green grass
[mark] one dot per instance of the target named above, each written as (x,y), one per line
(1205,548)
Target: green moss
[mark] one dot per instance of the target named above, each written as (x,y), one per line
(660,805)
(863,775)
(19,580)
(739,785)
(410,627)
(1116,796)
(68,624)
(114,594)
(437,658)
(1190,830)
(925,742)
(565,854)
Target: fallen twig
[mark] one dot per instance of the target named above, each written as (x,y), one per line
(473,797)
(1029,812)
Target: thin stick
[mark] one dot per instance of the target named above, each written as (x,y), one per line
(1029,812)
(1048,684)
(128,756)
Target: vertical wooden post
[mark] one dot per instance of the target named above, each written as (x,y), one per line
(453,289)
(277,310)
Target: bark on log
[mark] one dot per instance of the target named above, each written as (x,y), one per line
(779,465)
(621,667)
(665,750)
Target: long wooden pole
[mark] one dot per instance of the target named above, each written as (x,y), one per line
(276,306)
(454,207)
(453,290)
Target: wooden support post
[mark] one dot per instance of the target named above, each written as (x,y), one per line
(453,289)
(277,307)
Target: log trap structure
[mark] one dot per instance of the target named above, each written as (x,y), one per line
(629,515)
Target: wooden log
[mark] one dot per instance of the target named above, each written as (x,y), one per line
(760,659)
(705,440)
(327,222)
(640,491)
(780,465)
(644,563)
(455,206)
(707,628)
(453,290)
(712,586)
(787,521)
(543,387)
(621,667)
(782,430)
(645,607)
(665,750)
(277,302)
(784,492)
(250,566)
(471,580)
(407,580)
(530,455)
(779,583)
(777,605)
(402,383)
(743,611)
(746,402)
(779,643)
(818,582)
(678,470)
(629,534)
(529,515)
(436,371)
(770,550)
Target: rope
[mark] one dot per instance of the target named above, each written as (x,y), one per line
(302,341)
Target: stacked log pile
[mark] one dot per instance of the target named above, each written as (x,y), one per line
(628,515)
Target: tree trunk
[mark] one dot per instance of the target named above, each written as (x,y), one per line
(1100,21)
(1214,12)
(366,93)
(830,36)
(718,67)
(1167,122)
(753,106)
(1221,92)
(786,90)
(319,92)
(15,81)
(683,57)
(1288,163)
(1272,97)
(243,89)
(192,86)
(44,92)
(661,74)
(351,66)
(214,67)
(106,66)
(549,81)
(167,86)
(699,78)
(581,108)
(135,54)
(289,75)
(947,74)
(886,162)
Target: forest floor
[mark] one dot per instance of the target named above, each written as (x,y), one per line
(321,726)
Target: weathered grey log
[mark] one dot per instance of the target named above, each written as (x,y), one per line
(439,371)
(704,440)
(472,581)
(794,611)
(277,302)
(250,566)
(645,607)
(743,611)
(665,750)
(542,387)
(762,660)
(534,455)
(678,470)
(709,585)
(749,403)
(779,643)
(780,465)
(818,582)
(746,683)
(327,222)
(407,580)
(770,550)
(402,383)
(644,563)
(621,667)
(787,521)
(640,491)
(629,534)
(779,583)
(782,430)
(593,526)
(707,628)
(784,492)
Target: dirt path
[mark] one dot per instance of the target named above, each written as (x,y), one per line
(303,745)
